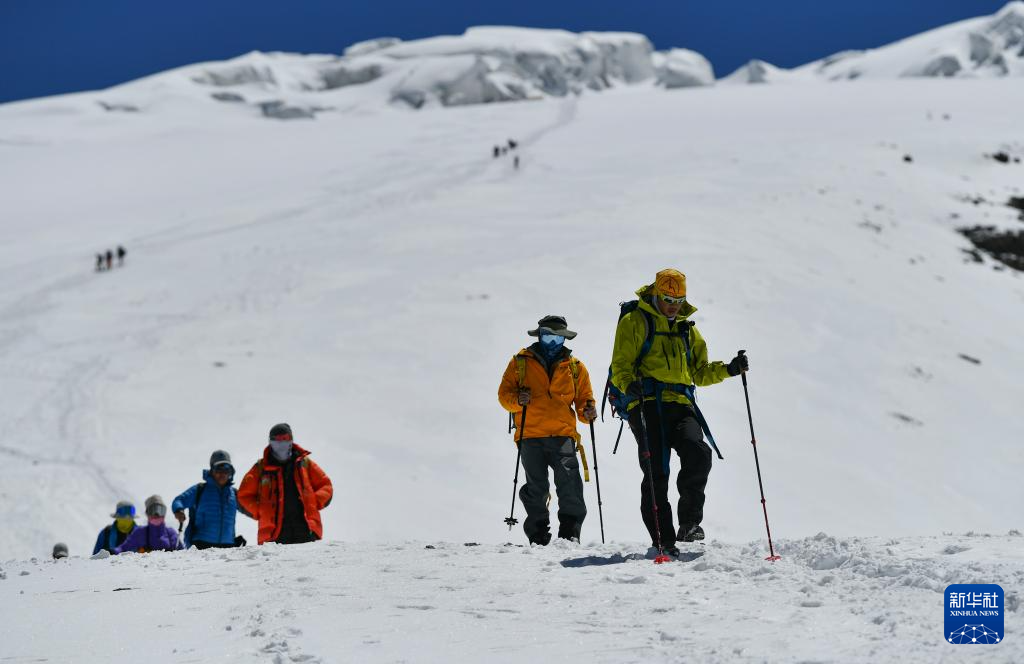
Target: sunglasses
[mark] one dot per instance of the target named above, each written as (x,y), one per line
(222,470)
(128,510)
(552,338)
(282,437)
(668,299)
(156,510)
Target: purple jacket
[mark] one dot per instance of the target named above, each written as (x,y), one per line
(150,538)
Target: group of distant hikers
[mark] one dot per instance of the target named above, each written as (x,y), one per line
(658,359)
(510,146)
(105,261)
(284,492)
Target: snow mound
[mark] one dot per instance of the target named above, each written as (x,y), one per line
(758,71)
(682,68)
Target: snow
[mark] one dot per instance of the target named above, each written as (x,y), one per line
(984,47)
(365,276)
(828,599)
(682,68)
(758,71)
(485,64)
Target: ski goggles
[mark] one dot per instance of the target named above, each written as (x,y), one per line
(124,511)
(282,437)
(668,299)
(156,510)
(552,339)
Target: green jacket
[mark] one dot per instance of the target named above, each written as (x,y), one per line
(666,360)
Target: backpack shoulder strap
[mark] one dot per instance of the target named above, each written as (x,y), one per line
(688,325)
(199,492)
(645,347)
(520,369)
(574,369)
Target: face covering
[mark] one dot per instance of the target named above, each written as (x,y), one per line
(156,521)
(281,449)
(552,344)
(125,524)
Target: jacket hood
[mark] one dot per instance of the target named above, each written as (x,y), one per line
(269,460)
(645,293)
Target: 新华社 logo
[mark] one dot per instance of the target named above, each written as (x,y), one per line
(974,613)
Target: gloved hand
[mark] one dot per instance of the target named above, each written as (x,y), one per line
(590,412)
(524,396)
(635,390)
(738,365)
(180,516)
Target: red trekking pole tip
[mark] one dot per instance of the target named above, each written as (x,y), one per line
(773,558)
(661,558)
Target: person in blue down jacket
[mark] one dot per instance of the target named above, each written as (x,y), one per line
(212,505)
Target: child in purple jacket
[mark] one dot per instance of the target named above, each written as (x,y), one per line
(155,535)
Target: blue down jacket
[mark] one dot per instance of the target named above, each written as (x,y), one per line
(213,519)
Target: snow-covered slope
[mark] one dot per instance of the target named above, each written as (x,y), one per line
(366,278)
(985,47)
(828,600)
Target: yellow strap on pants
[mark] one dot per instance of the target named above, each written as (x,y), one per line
(583,456)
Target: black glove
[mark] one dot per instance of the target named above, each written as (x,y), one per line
(738,365)
(635,390)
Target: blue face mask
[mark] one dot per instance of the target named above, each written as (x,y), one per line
(552,343)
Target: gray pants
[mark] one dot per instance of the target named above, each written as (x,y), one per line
(559,454)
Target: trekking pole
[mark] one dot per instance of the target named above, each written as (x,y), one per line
(646,454)
(511,520)
(597,478)
(757,464)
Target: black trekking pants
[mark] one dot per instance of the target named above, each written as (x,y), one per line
(682,433)
(559,454)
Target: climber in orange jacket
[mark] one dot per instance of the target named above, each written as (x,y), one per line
(285,491)
(555,390)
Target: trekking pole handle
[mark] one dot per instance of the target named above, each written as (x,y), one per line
(743,374)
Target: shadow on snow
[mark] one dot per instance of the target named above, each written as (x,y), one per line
(615,559)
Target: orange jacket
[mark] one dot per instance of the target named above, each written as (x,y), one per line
(261,493)
(552,396)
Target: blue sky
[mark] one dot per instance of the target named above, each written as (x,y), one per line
(55,46)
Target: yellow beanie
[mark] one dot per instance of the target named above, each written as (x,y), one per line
(670,282)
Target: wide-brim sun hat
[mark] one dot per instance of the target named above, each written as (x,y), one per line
(552,325)
(120,504)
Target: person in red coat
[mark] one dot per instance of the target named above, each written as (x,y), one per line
(285,491)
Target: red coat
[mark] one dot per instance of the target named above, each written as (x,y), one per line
(261,493)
